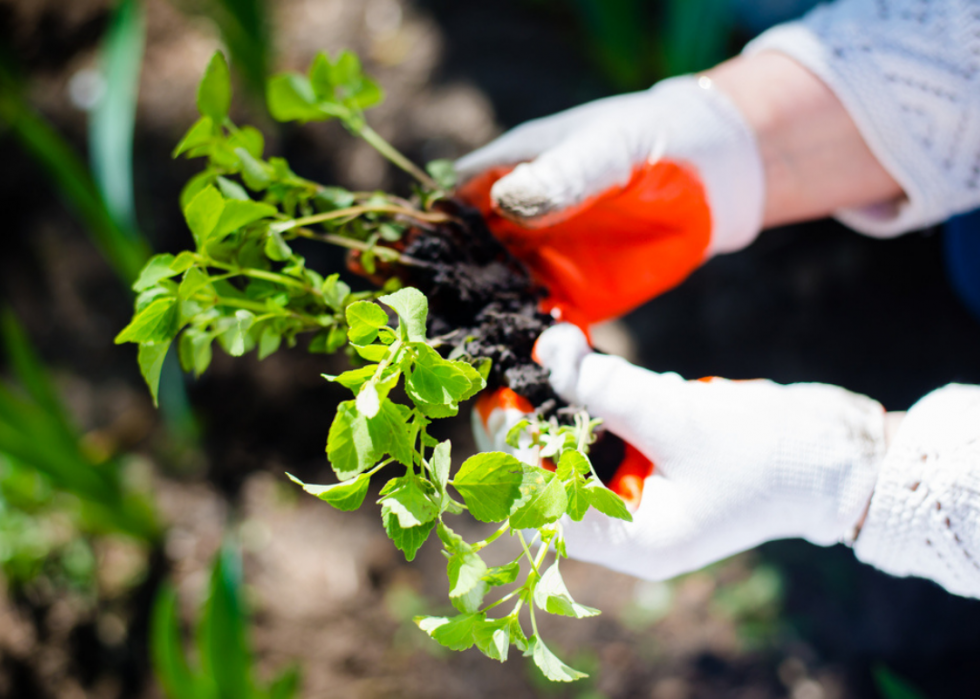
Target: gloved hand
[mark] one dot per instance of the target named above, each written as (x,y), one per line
(736,463)
(624,197)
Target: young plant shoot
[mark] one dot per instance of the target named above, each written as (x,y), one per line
(244,287)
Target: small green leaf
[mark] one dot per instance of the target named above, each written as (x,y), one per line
(503,575)
(157,268)
(236,214)
(291,98)
(350,446)
(515,432)
(321,77)
(410,540)
(477,382)
(493,638)
(551,595)
(199,134)
(572,462)
(167,650)
(455,633)
(368,402)
(441,462)
(355,378)
(578,499)
(346,496)
(553,668)
(490,484)
(412,308)
(276,249)
(466,570)
(517,634)
(410,499)
(231,189)
(203,213)
(195,350)
(607,502)
(254,172)
(372,353)
(157,322)
(269,341)
(364,319)
(335,292)
(443,172)
(389,429)
(214,91)
(435,380)
(151,356)
(235,336)
(194,281)
(545,503)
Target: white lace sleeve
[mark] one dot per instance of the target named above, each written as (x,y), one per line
(924,518)
(908,72)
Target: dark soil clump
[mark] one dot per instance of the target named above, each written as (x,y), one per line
(482,302)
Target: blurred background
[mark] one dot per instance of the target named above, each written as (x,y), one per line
(108,506)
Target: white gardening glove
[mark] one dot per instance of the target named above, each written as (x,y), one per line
(659,181)
(581,153)
(736,463)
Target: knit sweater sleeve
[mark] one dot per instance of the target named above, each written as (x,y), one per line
(924,517)
(908,73)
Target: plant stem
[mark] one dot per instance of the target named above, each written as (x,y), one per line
(503,599)
(493,537)
(382,252)
(354,211)
(527,551)
(267,276)
(389,151)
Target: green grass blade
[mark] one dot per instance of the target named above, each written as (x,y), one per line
(111,122)
(244,26)
(167,652)
(223,630)
(891,686)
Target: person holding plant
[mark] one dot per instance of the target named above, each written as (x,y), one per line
(865,110)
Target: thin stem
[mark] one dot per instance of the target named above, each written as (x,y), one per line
(527,551)
(354,211)
(389,151)
(493,537)
(382,252)
(267,276)
(503,599)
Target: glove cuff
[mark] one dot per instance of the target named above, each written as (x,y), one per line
(709,132)
(924,518)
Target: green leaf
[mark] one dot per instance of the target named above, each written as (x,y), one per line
(515,432)
(335,292)
(372,353)
(408,541)
(321,78)
(412,308)
(571,462)
(435,380)
(410,499)
(237,214)
(223,641)
(443,172)
(254,172)
(477,382)
(364,319)
(493,638)
(157,322)
(286,686)
(607,502)
(231,189)
(490,484)
(194,281)
(503,575)
(201,133)
(545,502)
(237,333)
(891,686)
(517,634)
(346,496)
(441,462)
(276,248)
(368,402)
(553,668)
(159,267)
(151,356)
(195,350)
(203,213)
(291,97)
(350,445)
(578,499)
(214,91)
(455,633)
(269,341)
(466,570)
(167,651)
(390,429)
(551,595)
(183,262)
(355,378)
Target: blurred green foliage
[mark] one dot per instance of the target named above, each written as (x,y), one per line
(225,665)
(891,686)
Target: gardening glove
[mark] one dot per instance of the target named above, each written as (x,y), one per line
(736,463)
(618,200)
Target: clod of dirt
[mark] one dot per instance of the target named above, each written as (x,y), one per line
(482,301)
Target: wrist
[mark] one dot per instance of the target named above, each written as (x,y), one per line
(814,159)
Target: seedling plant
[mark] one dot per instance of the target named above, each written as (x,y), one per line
(244,287)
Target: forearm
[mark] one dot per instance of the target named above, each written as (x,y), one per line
(815,159)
